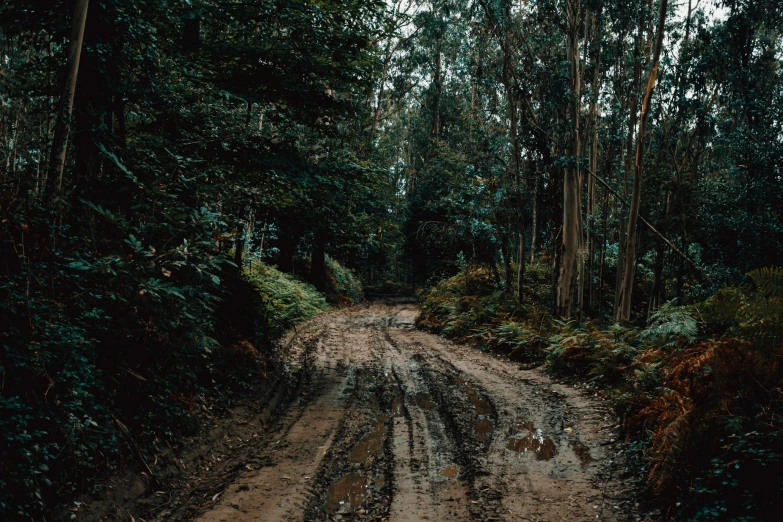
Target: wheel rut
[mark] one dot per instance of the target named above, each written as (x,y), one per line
(398,425)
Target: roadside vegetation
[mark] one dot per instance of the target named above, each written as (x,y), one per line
(697,389)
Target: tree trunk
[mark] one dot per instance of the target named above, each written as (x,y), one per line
(628,154)
(504,249)
(318,261)
(521,268)
(436,82)
(626,289)
(239,242)
(511,99)
(592,242)
(285,259)
(567,304)
(534,227)
(495,274)
(62,124)
(377,113)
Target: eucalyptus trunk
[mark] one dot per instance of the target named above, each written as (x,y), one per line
(626,289)
(567,304)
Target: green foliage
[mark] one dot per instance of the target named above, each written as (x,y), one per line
(603,356)
(699,387)
(283,301)
(671,326)
(343,286)
(468,307)
(768,281)
(118,297)
(753,312)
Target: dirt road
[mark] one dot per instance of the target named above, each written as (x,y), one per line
(395,424)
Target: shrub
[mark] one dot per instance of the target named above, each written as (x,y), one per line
(699,387)
(282,300)
(343,287)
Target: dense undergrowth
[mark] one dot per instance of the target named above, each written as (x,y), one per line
(343,287)
(698,389)
(147,352)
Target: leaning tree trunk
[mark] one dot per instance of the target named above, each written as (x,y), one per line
(62,124)
(626,289)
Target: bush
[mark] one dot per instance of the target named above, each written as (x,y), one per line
(343,287)
(282,301)
(469,307)
(699,388)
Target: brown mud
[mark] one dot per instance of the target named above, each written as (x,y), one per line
(390,423)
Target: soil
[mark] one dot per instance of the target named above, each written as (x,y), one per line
(385,422)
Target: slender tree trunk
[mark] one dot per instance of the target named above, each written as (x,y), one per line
(626,289)
(377,112)
(511,101)
(495,274)
(261,242)
(592,242)
(602,262)
(521,267)
(63,124)
(556,262)
(567,304)
(534,223)
(657,296)
(504,249)
(627,158)
(318,261)
(239,243)
(437,83)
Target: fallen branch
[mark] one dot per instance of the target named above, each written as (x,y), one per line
(126,432)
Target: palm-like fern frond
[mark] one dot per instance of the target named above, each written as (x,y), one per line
(769,281)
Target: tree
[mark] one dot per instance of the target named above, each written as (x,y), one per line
(626,287)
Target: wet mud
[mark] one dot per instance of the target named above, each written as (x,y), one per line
(394,424)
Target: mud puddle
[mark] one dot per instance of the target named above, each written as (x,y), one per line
(347,494)
(398,425)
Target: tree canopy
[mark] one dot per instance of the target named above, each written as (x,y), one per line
(151,152)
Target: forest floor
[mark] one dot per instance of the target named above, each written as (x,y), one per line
(390,423)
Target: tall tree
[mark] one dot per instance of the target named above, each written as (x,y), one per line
(626,286)
(568,303)
(62,125)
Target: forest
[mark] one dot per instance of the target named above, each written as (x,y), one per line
(534,238)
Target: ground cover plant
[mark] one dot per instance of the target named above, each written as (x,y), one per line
(698,389)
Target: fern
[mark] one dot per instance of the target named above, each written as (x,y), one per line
(671,326)
(769,281)
(752,312)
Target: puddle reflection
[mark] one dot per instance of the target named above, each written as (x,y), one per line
(347,494)
(371,443)
(483,429)
(535,442)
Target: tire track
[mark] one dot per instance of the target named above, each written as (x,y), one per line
(399,425)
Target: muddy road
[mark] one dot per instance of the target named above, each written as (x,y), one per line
(391,423)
